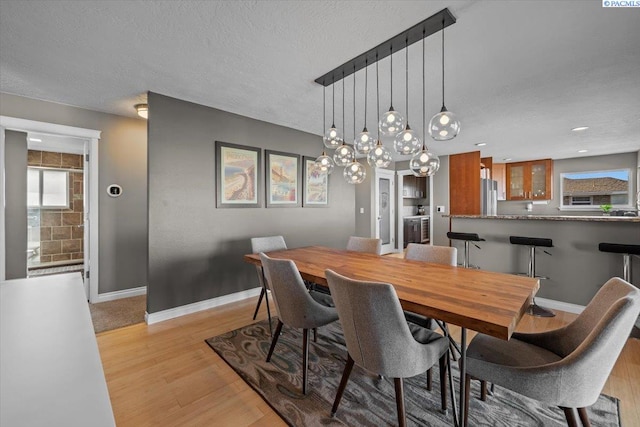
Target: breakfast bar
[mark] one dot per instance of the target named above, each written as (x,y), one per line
(575,267)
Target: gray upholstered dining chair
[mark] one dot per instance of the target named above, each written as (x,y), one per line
(364,244)
(265,244)
(446,255)
(295,306)
(565,367)
(379,339)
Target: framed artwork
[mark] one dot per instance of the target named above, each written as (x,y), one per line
(238,176)
(283,179)
(316,185)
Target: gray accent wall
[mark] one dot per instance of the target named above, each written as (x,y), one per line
(195,249)
(15,204)
(123,161)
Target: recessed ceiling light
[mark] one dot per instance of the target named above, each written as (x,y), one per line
(580,128)
(582,151)
(506,159)
(35,140)
(481,144)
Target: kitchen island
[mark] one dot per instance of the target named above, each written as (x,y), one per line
(576,268)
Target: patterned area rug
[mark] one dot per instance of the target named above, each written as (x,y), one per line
(368,400)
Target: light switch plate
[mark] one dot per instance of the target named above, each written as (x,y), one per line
(440,209)
(361,210)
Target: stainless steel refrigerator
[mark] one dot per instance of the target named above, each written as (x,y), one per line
(488,197)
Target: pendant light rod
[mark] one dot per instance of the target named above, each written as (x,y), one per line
(443,64)
(406,79)
(423,29)
(424,102)
(344,125)
(354,106)
(378,96)
(366,84)
(391,78)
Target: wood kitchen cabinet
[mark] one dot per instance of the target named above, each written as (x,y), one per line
(499,174)
(464,183)
(530,180)
(414,187)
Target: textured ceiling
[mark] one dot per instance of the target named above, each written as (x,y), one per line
(519,74)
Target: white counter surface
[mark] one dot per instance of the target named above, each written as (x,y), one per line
(50,368)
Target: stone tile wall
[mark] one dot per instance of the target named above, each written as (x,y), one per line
(62,230)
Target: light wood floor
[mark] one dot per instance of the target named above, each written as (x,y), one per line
(165,374)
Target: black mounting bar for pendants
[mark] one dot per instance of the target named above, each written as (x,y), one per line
(429,26)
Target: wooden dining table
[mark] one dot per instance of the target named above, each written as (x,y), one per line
(487,302)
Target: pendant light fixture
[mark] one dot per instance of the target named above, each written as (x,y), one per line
(332,137)
(364,142)
(444,125)
(424,163)
(344,154)
(324,163)
(392,122)
(407,142)
(379,157)
(354,172)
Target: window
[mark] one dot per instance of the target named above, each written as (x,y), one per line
(590,190)
(47,188)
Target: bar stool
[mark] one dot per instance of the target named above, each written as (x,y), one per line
(466,237)
(626,251)
(533,243)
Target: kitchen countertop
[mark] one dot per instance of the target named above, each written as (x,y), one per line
(416,216)
(590,218)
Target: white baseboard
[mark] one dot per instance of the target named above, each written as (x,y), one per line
(559,305)
(126,293)
(199,306)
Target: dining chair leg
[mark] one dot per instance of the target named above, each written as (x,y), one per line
(343,384)
(467,392)
(570,414)
(274,340)
(305,359)
(315,334)
(255,313)
(429,378)
(402,417)
(483,390)
(444,362)
(266,298)
(582,412)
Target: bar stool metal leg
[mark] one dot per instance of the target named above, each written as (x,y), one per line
(534,309)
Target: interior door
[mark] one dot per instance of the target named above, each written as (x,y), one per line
(385,227)
(85,223)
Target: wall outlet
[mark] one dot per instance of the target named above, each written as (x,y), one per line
(440,209)
(361,210)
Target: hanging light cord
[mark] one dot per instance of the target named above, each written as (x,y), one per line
(333,105)
(424,102)
(442,63)
(366,81)
(406,51)
(378,95)
(354,102)
(343,124)
(391,79)
(324,108)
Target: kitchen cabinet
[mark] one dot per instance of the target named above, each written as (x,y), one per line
(499,174)
(414,187)
(529,180)
(464,183)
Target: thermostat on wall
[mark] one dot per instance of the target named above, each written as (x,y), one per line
(114,190)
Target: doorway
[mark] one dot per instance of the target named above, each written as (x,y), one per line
(385,224)
(82,143)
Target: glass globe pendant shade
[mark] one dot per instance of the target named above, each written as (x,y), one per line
(392,123)
(332,138)
(424,163)
(407,142)
(324,163)
(344,155)
(354,173)
(379,157)
(444,125)
(364,142)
